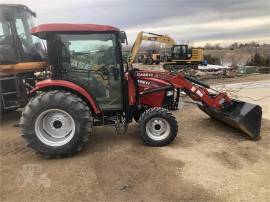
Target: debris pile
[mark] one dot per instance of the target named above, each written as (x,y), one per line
(215,71)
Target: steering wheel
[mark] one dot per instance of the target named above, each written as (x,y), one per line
(103,71)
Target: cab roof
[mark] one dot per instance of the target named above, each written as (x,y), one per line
(18,6)
(42,29)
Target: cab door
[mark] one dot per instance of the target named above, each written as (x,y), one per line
(180,52)
(93,61)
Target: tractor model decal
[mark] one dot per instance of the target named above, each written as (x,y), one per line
(144,82)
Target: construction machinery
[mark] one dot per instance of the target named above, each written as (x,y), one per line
(58,119)
(152,56)
(184,57)
(149,58)
(20,55)
(181,55)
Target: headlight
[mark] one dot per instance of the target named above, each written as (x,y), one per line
(170,93)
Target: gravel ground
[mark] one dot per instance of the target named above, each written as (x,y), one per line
(207,162)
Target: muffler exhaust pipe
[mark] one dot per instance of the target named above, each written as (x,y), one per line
(241,115)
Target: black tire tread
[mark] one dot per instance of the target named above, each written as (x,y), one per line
(157,111)
(68,101)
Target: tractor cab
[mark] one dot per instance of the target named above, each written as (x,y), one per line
(16,42)
(89,56)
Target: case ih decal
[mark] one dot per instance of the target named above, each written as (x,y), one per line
(141,74)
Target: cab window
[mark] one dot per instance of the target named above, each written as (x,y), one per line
(92,59)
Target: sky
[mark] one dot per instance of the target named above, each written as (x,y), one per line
(193,21)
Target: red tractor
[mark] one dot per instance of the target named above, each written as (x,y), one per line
(91,85)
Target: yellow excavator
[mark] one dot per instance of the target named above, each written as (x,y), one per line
(21,54)
(182,56)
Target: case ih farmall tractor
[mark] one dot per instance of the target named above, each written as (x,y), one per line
(91,85)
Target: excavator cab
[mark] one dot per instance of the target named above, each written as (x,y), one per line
(181,52)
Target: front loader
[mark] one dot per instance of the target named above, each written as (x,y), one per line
(91,85)
(21,55)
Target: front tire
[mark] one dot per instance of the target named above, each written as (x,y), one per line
(158,127)
(56,123)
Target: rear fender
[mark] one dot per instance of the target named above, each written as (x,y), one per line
(68,86)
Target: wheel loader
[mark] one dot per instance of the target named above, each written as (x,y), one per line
(152,57)
(59,118)
(20,55)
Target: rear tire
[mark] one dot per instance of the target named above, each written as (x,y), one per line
(56,124)
(158,127)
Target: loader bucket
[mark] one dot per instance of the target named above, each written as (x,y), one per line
(241,115)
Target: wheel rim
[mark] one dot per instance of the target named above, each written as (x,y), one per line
(158,128)
(55,127)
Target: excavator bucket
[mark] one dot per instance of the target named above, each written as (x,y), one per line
(241,115)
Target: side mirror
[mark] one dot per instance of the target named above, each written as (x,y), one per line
(123,37)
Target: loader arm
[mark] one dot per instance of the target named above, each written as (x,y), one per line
(218,105)
(150,37)
(197,90)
